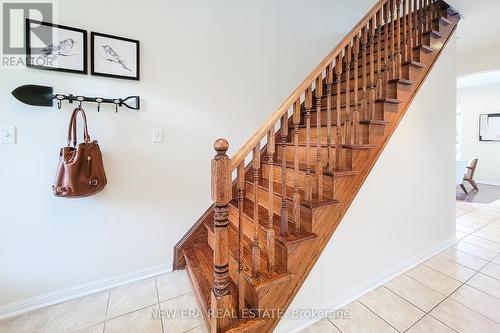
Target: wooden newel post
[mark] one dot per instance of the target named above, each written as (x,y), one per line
(221,195)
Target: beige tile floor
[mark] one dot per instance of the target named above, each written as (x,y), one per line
(457,290)
(164,304)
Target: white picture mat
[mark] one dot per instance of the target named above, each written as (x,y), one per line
(489,128)
(126,51)
(75,58)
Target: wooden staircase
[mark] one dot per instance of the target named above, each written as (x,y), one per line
(249,253)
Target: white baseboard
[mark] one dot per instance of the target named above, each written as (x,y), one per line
(297,325)
(26,305)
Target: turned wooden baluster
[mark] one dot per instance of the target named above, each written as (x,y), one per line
(355,115)
(364,101)
(284,209)
(296,195)
(428,11)
(392,44)
(221,195)
(410,41)
(371,84)
(240,177)
(347,123)
(421,23)
(319,166)
(308,105)
(329,81)
(255,244)
(338,140)
(271,147)
(398,56)
(416,39)
(387,62)
(379,90)
(405,32)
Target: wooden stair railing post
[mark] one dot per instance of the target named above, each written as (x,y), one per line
(364,100)
(308,105)
(338,140)
(256,226)
(271,147)
(319,165)
(284,209)
(398,55)
(392,43)
(296,195)
(416,40)
(379,89)
(241,197)
(371,84)
(387,31)
(348,135)
(421,23)
(329,81)
(221,195)
(410,31)
(356,139)
(405,31)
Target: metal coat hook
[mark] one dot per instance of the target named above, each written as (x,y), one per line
(44,96)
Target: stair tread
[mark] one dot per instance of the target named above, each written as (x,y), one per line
(343,105)
(302,167)
(277,188)
(292,236)
(199,263)
(278,275)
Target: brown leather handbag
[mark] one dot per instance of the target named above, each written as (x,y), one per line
(81,171)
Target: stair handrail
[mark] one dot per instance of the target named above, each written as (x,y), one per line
(240,156)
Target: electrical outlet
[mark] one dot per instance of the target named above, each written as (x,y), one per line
(7,135)
(157,135)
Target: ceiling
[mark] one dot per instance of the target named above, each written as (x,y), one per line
(480,26)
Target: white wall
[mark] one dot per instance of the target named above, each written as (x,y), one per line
(479,60)
(475,101)
(404,212)
(210,70)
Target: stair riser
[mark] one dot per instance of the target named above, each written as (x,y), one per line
(346,154)
(280,260)
(366,132)
(263,200)
(290,179)
(381,108)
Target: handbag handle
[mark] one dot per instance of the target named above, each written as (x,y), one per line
(72,135)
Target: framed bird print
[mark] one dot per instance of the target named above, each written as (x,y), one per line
(56,47)
(115,57)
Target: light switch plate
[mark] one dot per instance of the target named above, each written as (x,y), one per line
(7,135)
(157,135)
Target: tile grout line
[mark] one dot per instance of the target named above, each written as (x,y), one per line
(363,304)
(106,314)
(159,307)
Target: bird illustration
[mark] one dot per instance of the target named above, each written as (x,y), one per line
(63,48)
(112,56)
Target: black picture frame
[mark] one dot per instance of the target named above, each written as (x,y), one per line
(489,115)
(29,53)
(93,51)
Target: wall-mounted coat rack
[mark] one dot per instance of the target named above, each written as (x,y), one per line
(44,96)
